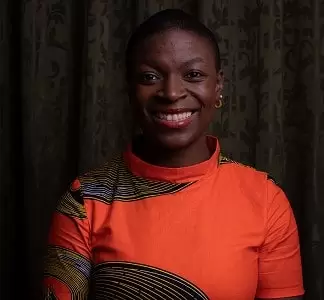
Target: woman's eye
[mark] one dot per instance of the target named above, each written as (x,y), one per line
(148,77)
(194,75)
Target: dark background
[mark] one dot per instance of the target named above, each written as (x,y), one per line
(63,109)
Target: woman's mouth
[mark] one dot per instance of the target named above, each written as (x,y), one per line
(174,119)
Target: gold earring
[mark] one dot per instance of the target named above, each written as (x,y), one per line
(219,104)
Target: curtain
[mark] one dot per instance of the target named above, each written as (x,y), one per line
(64,109)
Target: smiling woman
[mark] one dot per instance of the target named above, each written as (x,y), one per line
(171,218)
(173,69)
(175,76)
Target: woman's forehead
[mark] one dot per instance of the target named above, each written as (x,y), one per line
(178,45)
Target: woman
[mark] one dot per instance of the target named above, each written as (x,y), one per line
(171,218)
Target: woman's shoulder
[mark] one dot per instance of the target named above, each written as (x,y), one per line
(104,182)
(108,168)
(225,162)
(245,175)
(105,174)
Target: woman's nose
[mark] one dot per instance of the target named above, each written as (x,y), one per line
(173,88)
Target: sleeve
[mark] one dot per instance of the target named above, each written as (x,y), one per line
(67,264)
(280,271)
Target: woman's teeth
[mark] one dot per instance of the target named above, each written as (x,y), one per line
(174,117)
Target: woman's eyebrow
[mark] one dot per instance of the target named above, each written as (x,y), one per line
(192,61)
(156,66)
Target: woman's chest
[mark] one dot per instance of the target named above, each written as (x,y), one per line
(190,249)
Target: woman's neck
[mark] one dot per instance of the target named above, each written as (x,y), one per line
(154,154)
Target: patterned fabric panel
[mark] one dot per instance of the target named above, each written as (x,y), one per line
(71,204)
(128,281)
(70,268)
(115,182)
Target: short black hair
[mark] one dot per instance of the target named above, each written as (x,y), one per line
(166,20)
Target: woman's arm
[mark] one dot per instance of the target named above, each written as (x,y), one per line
(280,272)
(67,263)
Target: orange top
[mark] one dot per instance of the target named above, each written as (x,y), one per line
(215,230)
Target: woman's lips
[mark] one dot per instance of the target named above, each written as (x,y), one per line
(173,120)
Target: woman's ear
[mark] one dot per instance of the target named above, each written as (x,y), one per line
(219,90)
(220,83)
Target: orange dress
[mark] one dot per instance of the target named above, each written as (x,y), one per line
(216,230)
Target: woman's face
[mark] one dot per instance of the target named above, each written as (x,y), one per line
(174,87)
